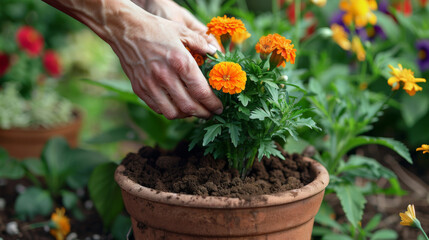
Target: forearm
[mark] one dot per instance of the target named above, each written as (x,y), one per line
(101,15)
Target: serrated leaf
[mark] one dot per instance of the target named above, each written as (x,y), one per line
(397,146)
(268,148)
(365,167)
(234,132)
(244,99)
(307,122)
(211,133)
(353,202)
(260,114)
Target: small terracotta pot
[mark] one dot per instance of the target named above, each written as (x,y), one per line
(29,142)
(287,215)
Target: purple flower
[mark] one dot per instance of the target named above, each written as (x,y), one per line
(383,6)
(337,18)
(370,33)
(423,54)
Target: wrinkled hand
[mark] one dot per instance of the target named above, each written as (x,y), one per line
(170,10)
(162,72)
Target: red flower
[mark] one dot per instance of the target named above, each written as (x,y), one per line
(30,40)
(4,63)
(404,6)
(52,63)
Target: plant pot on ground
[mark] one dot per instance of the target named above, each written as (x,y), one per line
(31,111)
(158,213)
(22,143)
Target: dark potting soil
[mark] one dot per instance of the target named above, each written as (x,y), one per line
(180,171)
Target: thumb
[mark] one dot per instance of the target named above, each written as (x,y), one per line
(196,42)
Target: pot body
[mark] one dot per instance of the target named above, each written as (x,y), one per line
(27,142)
(159,215)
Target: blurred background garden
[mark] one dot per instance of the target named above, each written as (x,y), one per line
(54,70)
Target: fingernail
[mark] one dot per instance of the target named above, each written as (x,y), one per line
(213,48)
(219,111)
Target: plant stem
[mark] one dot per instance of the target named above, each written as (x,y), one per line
(419,226)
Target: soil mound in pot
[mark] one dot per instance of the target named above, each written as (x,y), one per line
(180,171)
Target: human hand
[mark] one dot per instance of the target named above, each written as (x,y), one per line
(162,72)
(170,10)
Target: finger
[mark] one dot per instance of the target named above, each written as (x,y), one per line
(195,82)
(196,42)
(141,93)
(185,103)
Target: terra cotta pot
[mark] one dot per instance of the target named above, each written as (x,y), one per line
(287,215)
(29,142)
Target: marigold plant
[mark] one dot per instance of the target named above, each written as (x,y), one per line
(259,104)
(405,78)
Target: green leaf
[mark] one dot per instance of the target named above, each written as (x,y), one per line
(334,236)
(120,90)
(352,201)
(82,162)
(211,133)
(105,193)
(397,146)
(412,112)
(10,168)
(365,167)
(389,26)
(32,202)
(234,132)
(373,223)
(260,114)
(55,164)
(323,217)
(120,227)
(122,133)
(307,122)
(384,234)
(69,199)
(244,99)
(34,166)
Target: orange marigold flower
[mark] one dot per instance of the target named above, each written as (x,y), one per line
(62,224)
(240,37)
(228,76)
(281,48)
(404,77)
(359,12)
(424,148)
(265,46)
(227,28)
(200,59)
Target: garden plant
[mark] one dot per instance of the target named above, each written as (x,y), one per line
(342,82)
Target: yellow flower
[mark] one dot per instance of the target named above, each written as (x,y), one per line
(225,28)
(358,48)
(359,12)
(424,148)
(404,77)
(62,224)
(319,3)
(340,37)
(228,76)
(409,217)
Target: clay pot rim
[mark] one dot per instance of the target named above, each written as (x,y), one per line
(316,186)
(77,119)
